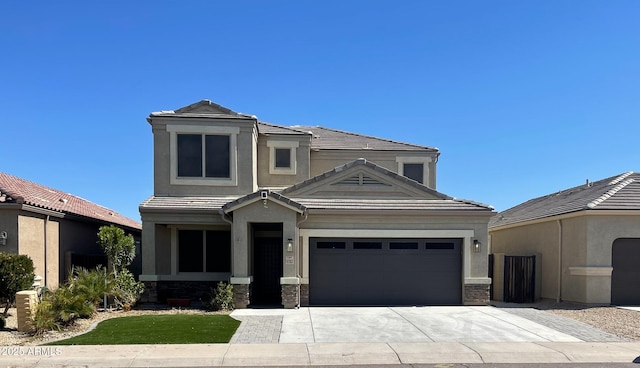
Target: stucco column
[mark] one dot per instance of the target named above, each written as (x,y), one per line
(148,248)
(240,249)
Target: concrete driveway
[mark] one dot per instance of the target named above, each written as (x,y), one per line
(403,324)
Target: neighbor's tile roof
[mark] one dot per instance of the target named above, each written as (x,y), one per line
(328,139)
(621,192)
(18,190)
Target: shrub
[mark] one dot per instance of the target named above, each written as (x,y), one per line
(45,318)
(221,298)
(126,290)
(16,273)
(93,285)
(77,298)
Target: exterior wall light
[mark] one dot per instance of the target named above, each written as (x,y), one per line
(289,245)
(476,246)
(3,238)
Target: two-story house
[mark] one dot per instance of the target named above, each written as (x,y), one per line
(304,216)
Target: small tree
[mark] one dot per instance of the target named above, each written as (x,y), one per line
(16,273)
(120,250)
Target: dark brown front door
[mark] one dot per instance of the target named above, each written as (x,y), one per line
(267,267)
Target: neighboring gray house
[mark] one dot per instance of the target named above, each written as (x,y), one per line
(304,216)
(588,236)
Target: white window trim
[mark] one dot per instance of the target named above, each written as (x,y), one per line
(415,160)
(291,145)
(232,132)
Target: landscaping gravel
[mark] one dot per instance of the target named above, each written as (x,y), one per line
(620,322)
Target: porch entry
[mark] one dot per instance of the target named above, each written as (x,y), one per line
(267,264)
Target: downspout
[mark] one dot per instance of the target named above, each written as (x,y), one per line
(559,294)
(46,225)
(295,254)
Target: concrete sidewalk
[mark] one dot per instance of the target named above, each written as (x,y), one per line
(217,355)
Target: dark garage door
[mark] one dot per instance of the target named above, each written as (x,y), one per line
(625,279)
(347,271)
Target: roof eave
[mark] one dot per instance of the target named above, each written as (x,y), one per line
(567,215)
(470,212)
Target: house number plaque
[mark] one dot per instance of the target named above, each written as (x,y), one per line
(289,260)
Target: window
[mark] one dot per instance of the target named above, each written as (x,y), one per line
(403,245)
(208,154)
(367,245)
(440,245)
(415,168)
(203,155)
(204,251)
(414,171)
(282,157)
(331,245)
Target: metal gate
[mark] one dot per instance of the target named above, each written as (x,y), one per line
(519,279)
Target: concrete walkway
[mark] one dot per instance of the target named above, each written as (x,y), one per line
(483,324)
(216,355)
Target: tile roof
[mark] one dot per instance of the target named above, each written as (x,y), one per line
(329,139)
(621,192)
(202,109)
(411,204)
(233,205)
(268,128)
(442,202)
(185,203)
(323,138)
(22,191)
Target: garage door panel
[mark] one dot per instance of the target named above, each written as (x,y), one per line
(625,278)
(385,276)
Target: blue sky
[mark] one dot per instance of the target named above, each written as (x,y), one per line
(523,98)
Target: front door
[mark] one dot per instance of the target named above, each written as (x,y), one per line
(267,265)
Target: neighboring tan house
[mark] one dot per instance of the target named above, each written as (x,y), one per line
(303,216)
(51,226)
(588,236)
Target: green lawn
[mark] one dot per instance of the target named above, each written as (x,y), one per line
(159,329)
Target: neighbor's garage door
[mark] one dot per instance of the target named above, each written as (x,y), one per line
(625,279)
(346,271)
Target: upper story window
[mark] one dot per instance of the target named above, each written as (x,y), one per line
(414,171)
(203,155)
(415,168)
(282,157)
